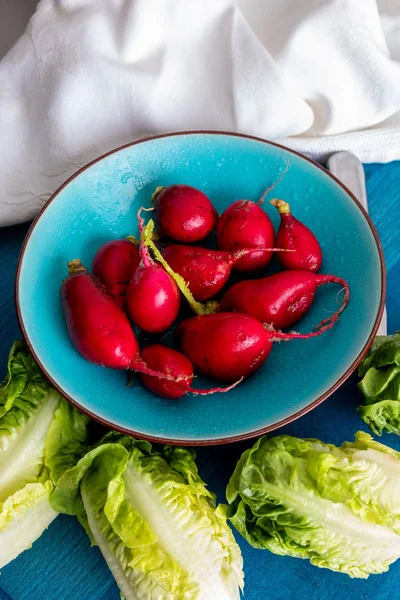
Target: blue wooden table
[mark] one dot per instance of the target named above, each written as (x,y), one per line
(61,564)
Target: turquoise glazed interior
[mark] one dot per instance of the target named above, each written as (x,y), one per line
(101,203)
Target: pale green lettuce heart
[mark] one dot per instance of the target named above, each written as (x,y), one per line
(154,520)
(23,518)
(338,507)
(40,436)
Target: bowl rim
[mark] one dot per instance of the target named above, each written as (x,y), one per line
(227,439)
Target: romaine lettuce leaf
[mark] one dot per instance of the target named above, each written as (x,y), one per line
(337,507)
(66,440)
(382,416)
(154,520)
(385,350)
(380,385)
(27,407)
(40,437)
(23,518)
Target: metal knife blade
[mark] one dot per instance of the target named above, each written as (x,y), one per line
(348,168)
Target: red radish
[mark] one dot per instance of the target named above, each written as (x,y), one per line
(184,213)
(172,363)
(152,297)
(115,263)
(227,346)
(281,299)
(245,225)
(147,238)
(204,271)
(293,235)
(97,325)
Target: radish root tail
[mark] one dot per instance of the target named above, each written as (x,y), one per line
(293,335)
(324,279)
(325,324)
(235,256)
(140,366)
(269,189)
(196,392)
(197,307)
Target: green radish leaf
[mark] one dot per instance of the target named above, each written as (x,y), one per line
(197,307)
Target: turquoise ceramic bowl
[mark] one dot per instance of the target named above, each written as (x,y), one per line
(100,202)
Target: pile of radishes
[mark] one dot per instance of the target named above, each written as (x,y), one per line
(144,283)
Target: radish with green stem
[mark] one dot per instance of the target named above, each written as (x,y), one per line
(205,271)
(147,238)
(201,277)
(152,297)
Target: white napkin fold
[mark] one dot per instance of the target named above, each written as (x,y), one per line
(89,75)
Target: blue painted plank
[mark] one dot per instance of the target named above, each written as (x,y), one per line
(383,187)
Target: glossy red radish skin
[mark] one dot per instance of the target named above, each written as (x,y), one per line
(175,364)
(162,358)
(97,325)
(294,235)
(152,297)
(115,263)
(281,299)
(244,224)
(229,345)
(205,271)
(184,213)
(224,346)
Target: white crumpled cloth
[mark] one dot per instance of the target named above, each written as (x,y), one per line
(89,75)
